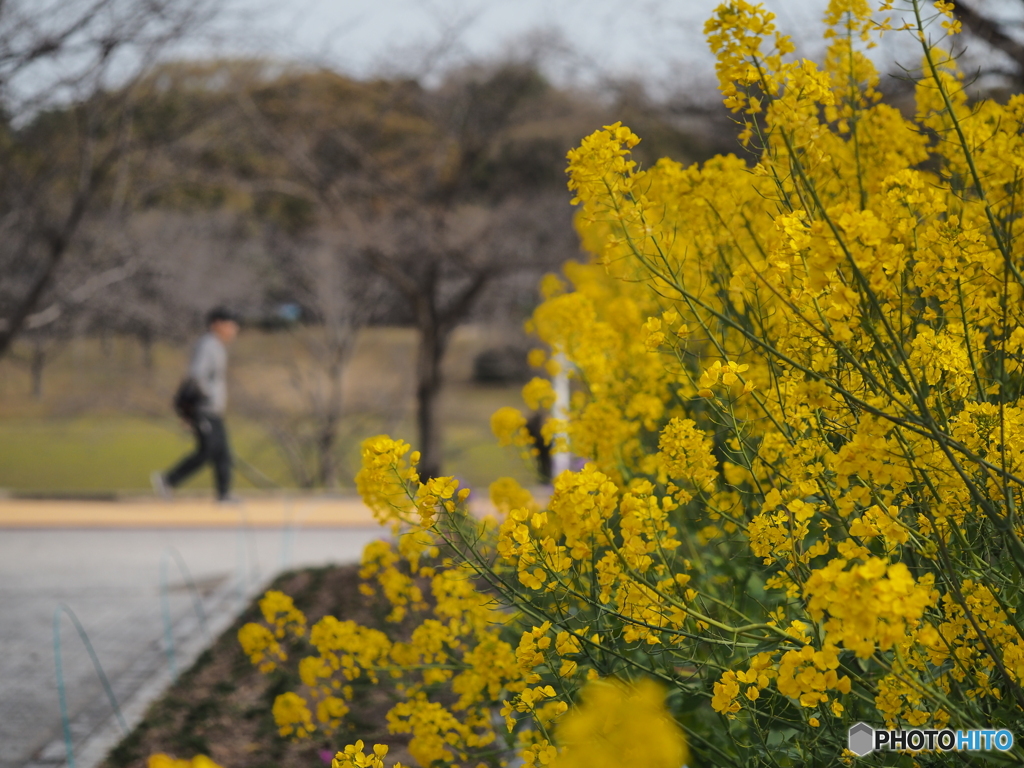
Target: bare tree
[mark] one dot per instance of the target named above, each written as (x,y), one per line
(441,261)
(74,298)
(67,77)
(324,279)
(440,194)
(997,32)
(434,188)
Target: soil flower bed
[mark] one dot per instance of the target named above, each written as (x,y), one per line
(221,707)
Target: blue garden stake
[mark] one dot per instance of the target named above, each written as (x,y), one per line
(288,534)
(240,558)
(165,605)
(246,556)
(61,690)
(165,609)
(197,600)
(253,560)
(248,565)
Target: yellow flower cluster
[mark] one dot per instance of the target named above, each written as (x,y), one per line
(280,612)
(354,757)
(260,645)
(798,391)
(509,426)
(613,168)
(614,720)
(386,477)
(259,642)
(868,606)
(458,643)
(292,716)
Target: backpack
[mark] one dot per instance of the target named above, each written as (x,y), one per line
(188,399)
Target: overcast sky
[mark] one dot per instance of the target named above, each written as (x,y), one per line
(659,41)
(655,39)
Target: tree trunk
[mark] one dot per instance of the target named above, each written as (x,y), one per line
(327,470)
(36,366)
(328,437)
(992,32)
(435,328)
(145,336)
(12,325)
(428,388)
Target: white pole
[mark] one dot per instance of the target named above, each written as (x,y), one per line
(560,461)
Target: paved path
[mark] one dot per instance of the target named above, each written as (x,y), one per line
(111,578)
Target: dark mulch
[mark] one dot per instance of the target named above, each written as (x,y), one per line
(221,707)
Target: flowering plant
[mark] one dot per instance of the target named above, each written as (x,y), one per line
(799,392)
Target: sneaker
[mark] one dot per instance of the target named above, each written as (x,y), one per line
(160,486)
(229,501)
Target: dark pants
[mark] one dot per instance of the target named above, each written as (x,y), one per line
(211,446)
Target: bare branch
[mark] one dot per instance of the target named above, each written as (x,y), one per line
(992,32)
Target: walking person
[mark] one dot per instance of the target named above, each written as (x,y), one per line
(201,401)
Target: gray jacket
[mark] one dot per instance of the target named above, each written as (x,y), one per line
(209,368)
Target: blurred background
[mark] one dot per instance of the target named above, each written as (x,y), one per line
(375,188)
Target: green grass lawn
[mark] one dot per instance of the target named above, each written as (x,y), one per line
(108,453)
(103,424)
(95,454)
(83,454)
